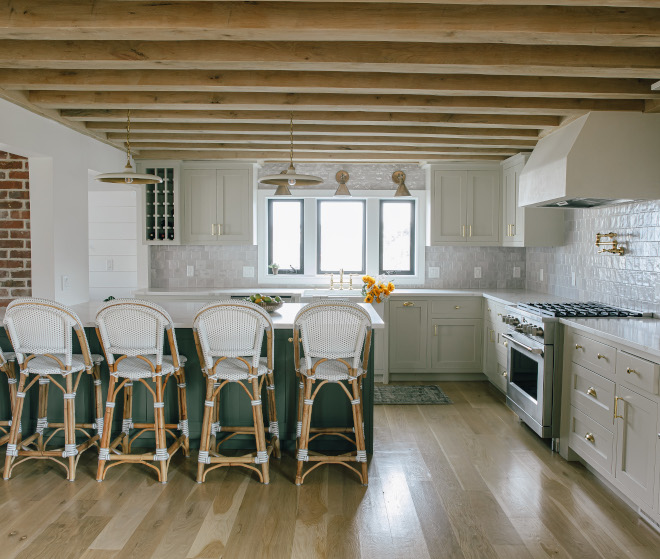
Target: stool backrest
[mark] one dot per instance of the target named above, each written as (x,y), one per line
(40,326)
(133,327)
(232,328)
(333,330)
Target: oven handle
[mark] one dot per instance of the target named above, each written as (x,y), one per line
(535,350)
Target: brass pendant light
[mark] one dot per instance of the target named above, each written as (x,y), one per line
(128,175)
(342,190)
(289,177)
(399,177)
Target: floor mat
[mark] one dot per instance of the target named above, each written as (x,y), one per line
(414,395)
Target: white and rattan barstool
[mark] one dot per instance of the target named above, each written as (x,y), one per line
(134,331)
(7,362)
(40,332)
(336,339)
(229,337)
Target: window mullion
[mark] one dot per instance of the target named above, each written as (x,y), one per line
(310,236)
(373,236)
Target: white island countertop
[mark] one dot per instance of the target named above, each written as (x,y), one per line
(183,313)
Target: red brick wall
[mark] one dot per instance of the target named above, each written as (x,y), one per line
(15,258)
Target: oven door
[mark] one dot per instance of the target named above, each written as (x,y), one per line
(529,382)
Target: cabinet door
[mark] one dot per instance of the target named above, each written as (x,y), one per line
(483,206)
(234,205)
(201,200)
(456,345)
(636,441)
(490,352)
(513,216)
(448,207)
(408,335)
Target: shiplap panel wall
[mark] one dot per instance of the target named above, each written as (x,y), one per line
(112,244)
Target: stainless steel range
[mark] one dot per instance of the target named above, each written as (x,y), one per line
(534,355)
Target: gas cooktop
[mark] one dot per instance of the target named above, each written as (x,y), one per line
(580,310)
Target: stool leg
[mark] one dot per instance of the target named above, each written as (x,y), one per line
(304,436)
(107,428)
(272,414)
(43,409)
(17,412)
(159,419)
(127,417)
(359,430)
(260,436)
(301,389)
(183,407)
(209,405)
(215,418)
(70,425)
(98,399)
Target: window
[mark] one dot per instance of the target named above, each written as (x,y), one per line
(397,237)
(341,236)
(285,235)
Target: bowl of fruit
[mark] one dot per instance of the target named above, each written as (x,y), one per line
(268,303)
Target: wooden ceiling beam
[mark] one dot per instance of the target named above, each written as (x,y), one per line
(405,58)
(267,129)
(326,82)
(279,21)
(613,3)
(326,102)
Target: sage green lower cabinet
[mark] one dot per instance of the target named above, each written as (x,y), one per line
(456,345)
(408,334)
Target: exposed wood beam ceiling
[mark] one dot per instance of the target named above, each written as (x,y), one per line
(365,80)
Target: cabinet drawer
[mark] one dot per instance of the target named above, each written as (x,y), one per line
(456,307)
(494,312)
(593,395)
(591,441)
(593,355)
(640,372)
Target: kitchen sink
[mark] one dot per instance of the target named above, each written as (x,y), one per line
(332,293)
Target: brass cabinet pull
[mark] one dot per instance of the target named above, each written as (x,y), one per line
(505,374)
(590,437)
(457,307)
(219,226)
(591,391)
(629,370)
(578,346)
(212,228)
(463,231)
(616,408)
(601,356)
(490,333)
(409,304)
(470,228)
(435,330)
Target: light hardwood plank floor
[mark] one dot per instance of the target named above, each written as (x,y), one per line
(462,481)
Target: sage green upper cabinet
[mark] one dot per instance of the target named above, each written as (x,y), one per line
(218,204)
(465,205)
(526,227)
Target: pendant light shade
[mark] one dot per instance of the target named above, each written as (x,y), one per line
(342,190)
(128,175)
(289,177)
(399,177)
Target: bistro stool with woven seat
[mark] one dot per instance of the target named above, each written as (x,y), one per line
(40,332)
(333,336)
(229,337)
(7,361)
(135,330)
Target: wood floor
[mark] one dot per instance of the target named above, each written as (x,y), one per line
(460,481)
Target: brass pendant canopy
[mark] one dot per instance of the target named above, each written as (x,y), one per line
(399,177)
(289,177)
(128,175)
(342,190)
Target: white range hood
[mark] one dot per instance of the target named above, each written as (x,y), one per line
(599,159)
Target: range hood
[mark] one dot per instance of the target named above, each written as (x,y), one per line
(598,159)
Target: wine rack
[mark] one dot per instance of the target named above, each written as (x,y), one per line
(161,207)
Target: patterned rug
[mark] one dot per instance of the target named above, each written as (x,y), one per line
(388,394)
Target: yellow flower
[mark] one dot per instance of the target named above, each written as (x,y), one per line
(369,298)
(377,299)
(390,287)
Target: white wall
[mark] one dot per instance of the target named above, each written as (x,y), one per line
(60,160)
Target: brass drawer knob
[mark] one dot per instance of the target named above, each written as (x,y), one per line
(578,346)
(290,340)
(457,307)
(629,370)
(591,391)
(601,356)
(590,437)
(409,304)
(506,344)
(505,374)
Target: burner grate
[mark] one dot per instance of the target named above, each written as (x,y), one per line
(579,310)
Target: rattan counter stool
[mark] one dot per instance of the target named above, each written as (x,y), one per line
(135,330)
(229,337)
(7,366)
(333,335)
(41,334)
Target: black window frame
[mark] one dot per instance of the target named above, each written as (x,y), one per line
(320,201)
(301,202)
(413,219)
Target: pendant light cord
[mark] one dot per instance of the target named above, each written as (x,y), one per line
(291,138)
(128,138)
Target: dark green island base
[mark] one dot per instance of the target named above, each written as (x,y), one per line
(331,408)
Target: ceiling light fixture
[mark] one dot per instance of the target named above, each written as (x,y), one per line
(342,190)
(128,175)
(399,177)
(289,177)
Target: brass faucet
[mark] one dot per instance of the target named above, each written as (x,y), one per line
(612,243)
(341,278)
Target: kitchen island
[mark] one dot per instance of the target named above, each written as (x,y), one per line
(329,410)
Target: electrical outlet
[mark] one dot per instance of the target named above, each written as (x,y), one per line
(541,275)
(248,271)
(109,265)
(573,281)
(190,271)
(66,283)
(477,272)
(516,271)
(434,272)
